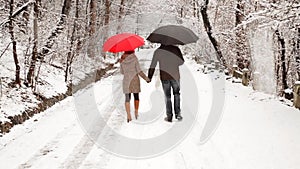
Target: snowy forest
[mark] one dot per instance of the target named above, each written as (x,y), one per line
(61,99)
(46,47)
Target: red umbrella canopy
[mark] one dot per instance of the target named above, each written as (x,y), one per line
(123,42)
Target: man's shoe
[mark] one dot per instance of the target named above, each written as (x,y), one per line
(168,119)
(178,117)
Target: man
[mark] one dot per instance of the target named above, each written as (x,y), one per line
(169,58)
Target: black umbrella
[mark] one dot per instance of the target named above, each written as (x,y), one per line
(173,35)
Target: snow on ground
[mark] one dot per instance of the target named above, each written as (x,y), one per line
(256,130)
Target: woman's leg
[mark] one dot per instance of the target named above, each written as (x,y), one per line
(136,104)
(127,106)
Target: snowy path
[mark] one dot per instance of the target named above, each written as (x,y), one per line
(256,131)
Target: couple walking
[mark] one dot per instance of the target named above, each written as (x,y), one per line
(169,58)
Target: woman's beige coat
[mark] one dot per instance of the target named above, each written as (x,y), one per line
(131,70)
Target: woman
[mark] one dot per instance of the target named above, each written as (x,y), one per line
(130,68)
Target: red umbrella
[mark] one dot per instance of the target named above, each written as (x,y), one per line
(123,42)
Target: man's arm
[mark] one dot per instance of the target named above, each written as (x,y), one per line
(152,65)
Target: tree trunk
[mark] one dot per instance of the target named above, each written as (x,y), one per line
(15,55)
(121,10)
(241,47)
(93,21)
(87,23)
(59,28)
(208,29)
(137,24)
(107,12)
(281,44)
(297,52)
(35,45)
(74,37)
(121,15)
(195,10)
(106,22)
(181,12)
(1,94)
(25,15)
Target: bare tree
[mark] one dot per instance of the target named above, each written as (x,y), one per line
(241,47)
(196,9)
(121,14)
(121,9)
(297,52)
(106,21)
(282,60)
(107,12)
(11,31)
(58,29)
(74,37)
(35,44)
(1,94)
(92,28)
(208,29)
(52,38)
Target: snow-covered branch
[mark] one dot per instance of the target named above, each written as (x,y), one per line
(18,11)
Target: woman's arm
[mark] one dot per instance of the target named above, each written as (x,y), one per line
(140,72)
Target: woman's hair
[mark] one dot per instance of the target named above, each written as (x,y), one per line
(129,52)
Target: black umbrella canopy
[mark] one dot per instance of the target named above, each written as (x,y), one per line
(173,35)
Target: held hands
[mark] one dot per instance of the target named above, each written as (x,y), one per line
(148,80)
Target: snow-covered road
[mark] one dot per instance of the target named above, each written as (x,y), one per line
(256,130)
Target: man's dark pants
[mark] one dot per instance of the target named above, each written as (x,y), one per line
(175,85)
